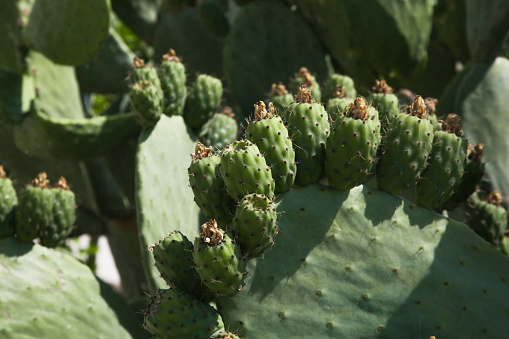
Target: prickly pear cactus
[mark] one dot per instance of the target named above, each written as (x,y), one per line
(304,77)
(280,97)
(487,217)
(8,202)
(172,75)
(386,103)
(221,130)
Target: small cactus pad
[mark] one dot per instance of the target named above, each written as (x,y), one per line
(308,127)
(269,133)
(172,313)
(386,103)
(203,100)
(405,149)
(8,203)
(244,170)
(352,146)
(172,75)
(220,130)
(147,102)
(218,260)
(487,217)
(254,224)
(336,80)
(208,186)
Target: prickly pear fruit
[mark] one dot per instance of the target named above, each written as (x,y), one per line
(220,130)
(269,133)
(172,313)
(386,103)
(8,202)
(304,77)
(280,97)
(203,100)
(308,126)
(244,170)
(445,165)
(208,186)
(405,149)
(143,72)
(172,75)
(63,216)
(487,217)
(472,175)
(254,224)
(147,102)
(218,260)
(336,80)
(352,146)
(339,103)
(174,259)
(35,209)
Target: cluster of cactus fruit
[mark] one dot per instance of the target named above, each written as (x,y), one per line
(41,211)
(293,140)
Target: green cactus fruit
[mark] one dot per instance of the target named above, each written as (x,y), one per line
(8,202)
(445,165)
(280,97)
(386,103)
(487,217)
(218,260)
(405,149)
(472,175)
(143,72)
(338,104)
(352,146)
(208,186)
(431,104)
(35,209)
(174,260)
(172,75)
(245,170)
(203,100)
(63,216)
(303,77)
(308,125)
(336,80)
(147,102)
(254,224)
(220,130)
(269,133)
(171,313)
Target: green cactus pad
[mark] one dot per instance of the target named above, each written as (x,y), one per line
(208,186)
(308,127)
(161,175)
(174,259)
(16,93)
(352,146)
(68,32)
(254,224)
(244,170)
(10,58)
(221,130)
(8,202)
(172,75)
(49,294)
(203,100)
(269,133)
(147,102)
(363,263)
(218,260)
(174,314)
(386,103)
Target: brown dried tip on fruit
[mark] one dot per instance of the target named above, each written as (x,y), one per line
(171,56)
(339,92)
(417,108)
(228,111)
(452,124)
(41,180)
(62,184)
(495,198)
(138,63)
(200,152)
(475,153)
(261,111)
(305,76)
(278,90)
(358,109)
(2,172)
(303,96)
(382,87)
(431,104)
(211,234)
